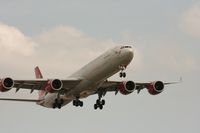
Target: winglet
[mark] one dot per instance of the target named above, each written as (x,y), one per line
(38,73)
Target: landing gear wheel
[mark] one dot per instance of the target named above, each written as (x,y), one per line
(124,74)
(74,102)
(59,106)
(54,105)
(120,74)
(95,106)
(103,102)
(100,106)
(78,103)
(81,104)
(98,102)
(58,103)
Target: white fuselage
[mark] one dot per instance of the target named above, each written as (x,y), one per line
(93,74)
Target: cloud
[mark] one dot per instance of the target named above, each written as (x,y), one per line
(65,47)
(14,42)
(69,38)
(190,21)
(173,57)
(160,55)
(60,51)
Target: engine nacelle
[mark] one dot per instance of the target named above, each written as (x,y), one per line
(6,84)
(53,85)
(127,87)
(156,87)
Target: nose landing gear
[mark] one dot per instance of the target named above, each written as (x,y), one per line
(122,74)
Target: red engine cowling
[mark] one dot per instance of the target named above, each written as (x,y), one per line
(156,87)
(6,84)
(127,87)
(53,85)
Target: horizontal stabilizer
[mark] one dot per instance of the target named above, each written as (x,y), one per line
(19,100)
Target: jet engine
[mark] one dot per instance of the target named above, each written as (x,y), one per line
(6,84)
(127,87)
(156,87)
(53,85)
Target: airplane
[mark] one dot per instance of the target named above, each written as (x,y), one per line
(89,80)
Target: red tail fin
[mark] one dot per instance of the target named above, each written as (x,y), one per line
(38,75)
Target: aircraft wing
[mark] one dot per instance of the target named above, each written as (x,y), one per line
(39,84)
(113,86)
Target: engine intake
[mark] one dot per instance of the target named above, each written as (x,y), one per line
(156,87)
(127,87)
(6,84)
(53,85)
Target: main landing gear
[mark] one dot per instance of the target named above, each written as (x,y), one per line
(99,103)
(58,103)
(77,103)
(122,74)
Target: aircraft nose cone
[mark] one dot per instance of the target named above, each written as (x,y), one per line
(129,53)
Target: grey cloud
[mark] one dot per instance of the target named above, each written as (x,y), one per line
(190,20)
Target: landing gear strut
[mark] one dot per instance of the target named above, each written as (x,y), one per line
(99,103)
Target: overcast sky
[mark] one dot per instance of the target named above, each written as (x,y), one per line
(61,36)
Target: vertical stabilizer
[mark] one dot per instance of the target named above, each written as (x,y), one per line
(38,75)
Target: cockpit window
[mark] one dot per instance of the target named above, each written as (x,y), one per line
(122,47)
